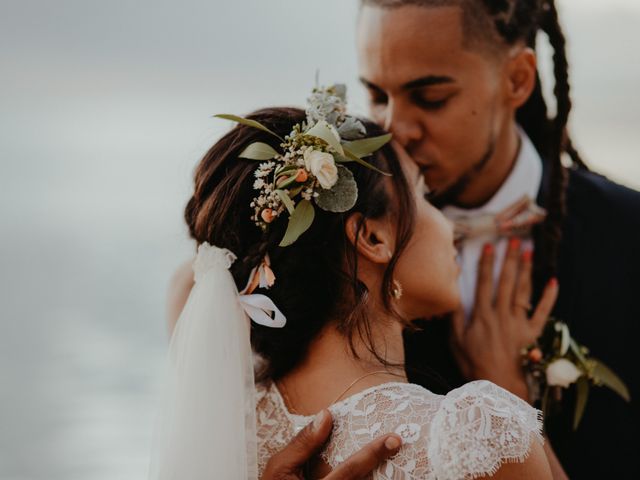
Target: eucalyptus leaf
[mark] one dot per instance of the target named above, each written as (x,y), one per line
(582,395)
(351,156)
(258,151)
(351,129)
(248,123)
(366,146)
(286,200)
(607,377)
(342,196)
(326,132)
(299,222)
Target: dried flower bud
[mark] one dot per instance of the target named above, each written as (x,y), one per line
(535,355)
(268,215)
(302,175)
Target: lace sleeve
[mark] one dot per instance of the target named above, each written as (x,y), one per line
(478,427)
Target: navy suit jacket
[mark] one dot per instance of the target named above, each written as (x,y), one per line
(599,276)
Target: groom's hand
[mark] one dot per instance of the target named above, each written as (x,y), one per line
(489,346)
(288,464)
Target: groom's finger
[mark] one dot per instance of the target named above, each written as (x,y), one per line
(362,463)
(288,462)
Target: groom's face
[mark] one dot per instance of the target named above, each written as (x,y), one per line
(442,100)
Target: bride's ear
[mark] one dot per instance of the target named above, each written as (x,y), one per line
(373,238)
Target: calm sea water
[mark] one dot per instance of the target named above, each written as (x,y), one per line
(105,110)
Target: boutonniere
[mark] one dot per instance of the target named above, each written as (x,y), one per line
(556,362)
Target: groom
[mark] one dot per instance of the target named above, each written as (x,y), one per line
(456,82)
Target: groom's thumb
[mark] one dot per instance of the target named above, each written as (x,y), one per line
(304,445)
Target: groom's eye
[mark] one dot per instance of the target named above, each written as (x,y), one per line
(429,103)
(377,97)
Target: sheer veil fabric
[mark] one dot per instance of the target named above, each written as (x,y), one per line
(210,391)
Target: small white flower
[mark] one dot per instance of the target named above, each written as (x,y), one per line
(258,184)
(562,373)
(322,166)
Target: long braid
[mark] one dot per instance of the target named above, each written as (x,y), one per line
(521,20)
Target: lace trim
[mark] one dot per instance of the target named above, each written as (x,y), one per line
(478,428)
(468,433)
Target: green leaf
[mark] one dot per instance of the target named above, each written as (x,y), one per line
(286,200)
(607,377)
(366,146)
(258,151)
(565,339)
(289,181)
(326,132)
(351,156)
(575,348)
(582,395)
(299,222)
(342,196)
(248,123)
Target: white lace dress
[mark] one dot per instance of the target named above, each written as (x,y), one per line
(465,434)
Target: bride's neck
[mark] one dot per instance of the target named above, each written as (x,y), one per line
(331,367)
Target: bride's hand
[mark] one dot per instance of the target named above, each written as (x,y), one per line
(289,463)
(489,346)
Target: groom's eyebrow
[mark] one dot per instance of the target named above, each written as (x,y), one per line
(427,81)
(421,82)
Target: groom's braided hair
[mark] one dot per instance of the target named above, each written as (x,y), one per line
(490,25)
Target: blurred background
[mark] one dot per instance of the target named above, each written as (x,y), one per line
(105,110)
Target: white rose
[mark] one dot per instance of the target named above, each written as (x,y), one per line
(562,373)
(322,166)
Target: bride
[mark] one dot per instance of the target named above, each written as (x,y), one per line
(331,248)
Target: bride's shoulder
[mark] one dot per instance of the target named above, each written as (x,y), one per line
(480,426)
(469,432)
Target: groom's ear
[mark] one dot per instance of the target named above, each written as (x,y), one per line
(373,238)
(521,70)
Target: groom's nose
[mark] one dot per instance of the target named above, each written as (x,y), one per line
(400,121)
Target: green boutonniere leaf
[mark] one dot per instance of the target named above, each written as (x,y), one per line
(582,395)
(258,151)
(342,196)
(299,222)
(604,375)
(324,131)
(366,146)
(354,158)
(248,123)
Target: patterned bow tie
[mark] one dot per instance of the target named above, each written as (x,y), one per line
(515,220)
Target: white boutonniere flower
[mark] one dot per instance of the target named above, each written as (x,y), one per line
(562,373)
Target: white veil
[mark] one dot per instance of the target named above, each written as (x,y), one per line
(207,428)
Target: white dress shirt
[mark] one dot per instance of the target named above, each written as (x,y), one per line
(524,179)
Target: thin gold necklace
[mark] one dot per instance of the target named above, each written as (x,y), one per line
(287,400)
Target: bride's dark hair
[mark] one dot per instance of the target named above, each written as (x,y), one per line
(316,277)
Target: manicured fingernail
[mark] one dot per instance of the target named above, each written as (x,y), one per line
(318,420)
(527,255)
(553,282)
(392,443)
(514,243)
(487,249)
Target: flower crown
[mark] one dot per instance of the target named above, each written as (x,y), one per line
(309,168)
